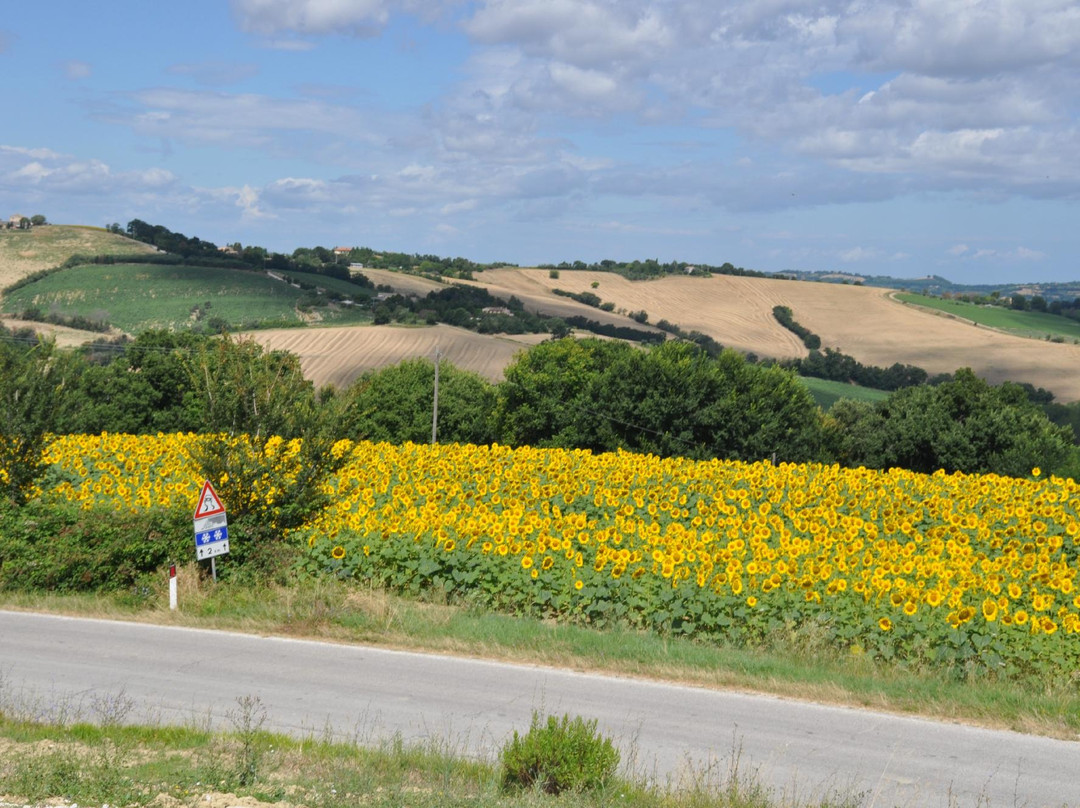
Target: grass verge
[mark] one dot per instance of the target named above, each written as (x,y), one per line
(795,665)
(112,763)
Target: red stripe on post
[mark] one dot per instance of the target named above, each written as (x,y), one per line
(172,570)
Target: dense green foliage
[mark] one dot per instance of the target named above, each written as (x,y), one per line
(557,755)
(33,377)
(58,547)
(963,425)
(395,405)
(671,400)
(786,318)
(837,366)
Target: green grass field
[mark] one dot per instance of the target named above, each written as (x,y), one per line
(1024,323)
(137,297)
(826,393)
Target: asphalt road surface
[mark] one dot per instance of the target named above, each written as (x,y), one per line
(800,750)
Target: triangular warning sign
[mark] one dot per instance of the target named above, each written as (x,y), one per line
(209,503)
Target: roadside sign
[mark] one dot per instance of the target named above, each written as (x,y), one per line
(211,526)
(209,502)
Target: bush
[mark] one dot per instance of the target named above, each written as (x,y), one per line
(53,546)
(559,755)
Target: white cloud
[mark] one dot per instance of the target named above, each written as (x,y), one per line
(76,70)
(35,154)
(856,254)
(585,34)
(215,73)
(42,171)
(957,249)
(1025,254)
(349,17)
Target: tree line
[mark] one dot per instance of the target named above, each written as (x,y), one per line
(673,399)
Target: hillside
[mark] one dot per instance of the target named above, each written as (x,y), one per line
(861,321)
(339,355)
(137,297)
(23,252)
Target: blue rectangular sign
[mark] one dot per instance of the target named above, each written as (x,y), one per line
(211,536)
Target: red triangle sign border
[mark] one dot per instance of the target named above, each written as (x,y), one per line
(209,503)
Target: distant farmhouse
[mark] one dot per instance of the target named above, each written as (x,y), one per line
(20,222)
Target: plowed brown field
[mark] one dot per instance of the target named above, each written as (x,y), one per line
(338,356)
(861,321)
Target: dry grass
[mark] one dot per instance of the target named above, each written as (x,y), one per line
(861,321)
(23,252)
(65,337)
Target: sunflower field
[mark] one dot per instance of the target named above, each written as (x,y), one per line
(973,574)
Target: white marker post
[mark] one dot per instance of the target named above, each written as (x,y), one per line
(172,587)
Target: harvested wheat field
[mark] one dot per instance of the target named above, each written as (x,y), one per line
(533,296)
(338,356)
(400,282)
(23,252)
(861,321)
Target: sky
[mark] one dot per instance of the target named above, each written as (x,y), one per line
(880,137)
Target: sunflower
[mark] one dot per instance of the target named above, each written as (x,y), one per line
(338,552)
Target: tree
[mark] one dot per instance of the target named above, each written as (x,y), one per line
(273,450)
(37,219)
(32,381)
(145,389)
(395,404)
(672,400)
(961,425)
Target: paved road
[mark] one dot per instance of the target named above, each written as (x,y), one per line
(802,750)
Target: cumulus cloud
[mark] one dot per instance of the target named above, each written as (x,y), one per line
(24,170)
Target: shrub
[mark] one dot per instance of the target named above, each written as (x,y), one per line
(559,755)
(52,546)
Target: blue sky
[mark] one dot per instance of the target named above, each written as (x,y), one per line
(894,137)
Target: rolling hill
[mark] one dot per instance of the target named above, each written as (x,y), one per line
(864,322)
(23,252)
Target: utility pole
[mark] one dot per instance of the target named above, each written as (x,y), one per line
(435,403)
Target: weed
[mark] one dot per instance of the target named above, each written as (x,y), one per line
(557,755)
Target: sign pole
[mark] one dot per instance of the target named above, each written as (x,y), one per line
(213,567)
(172,587)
